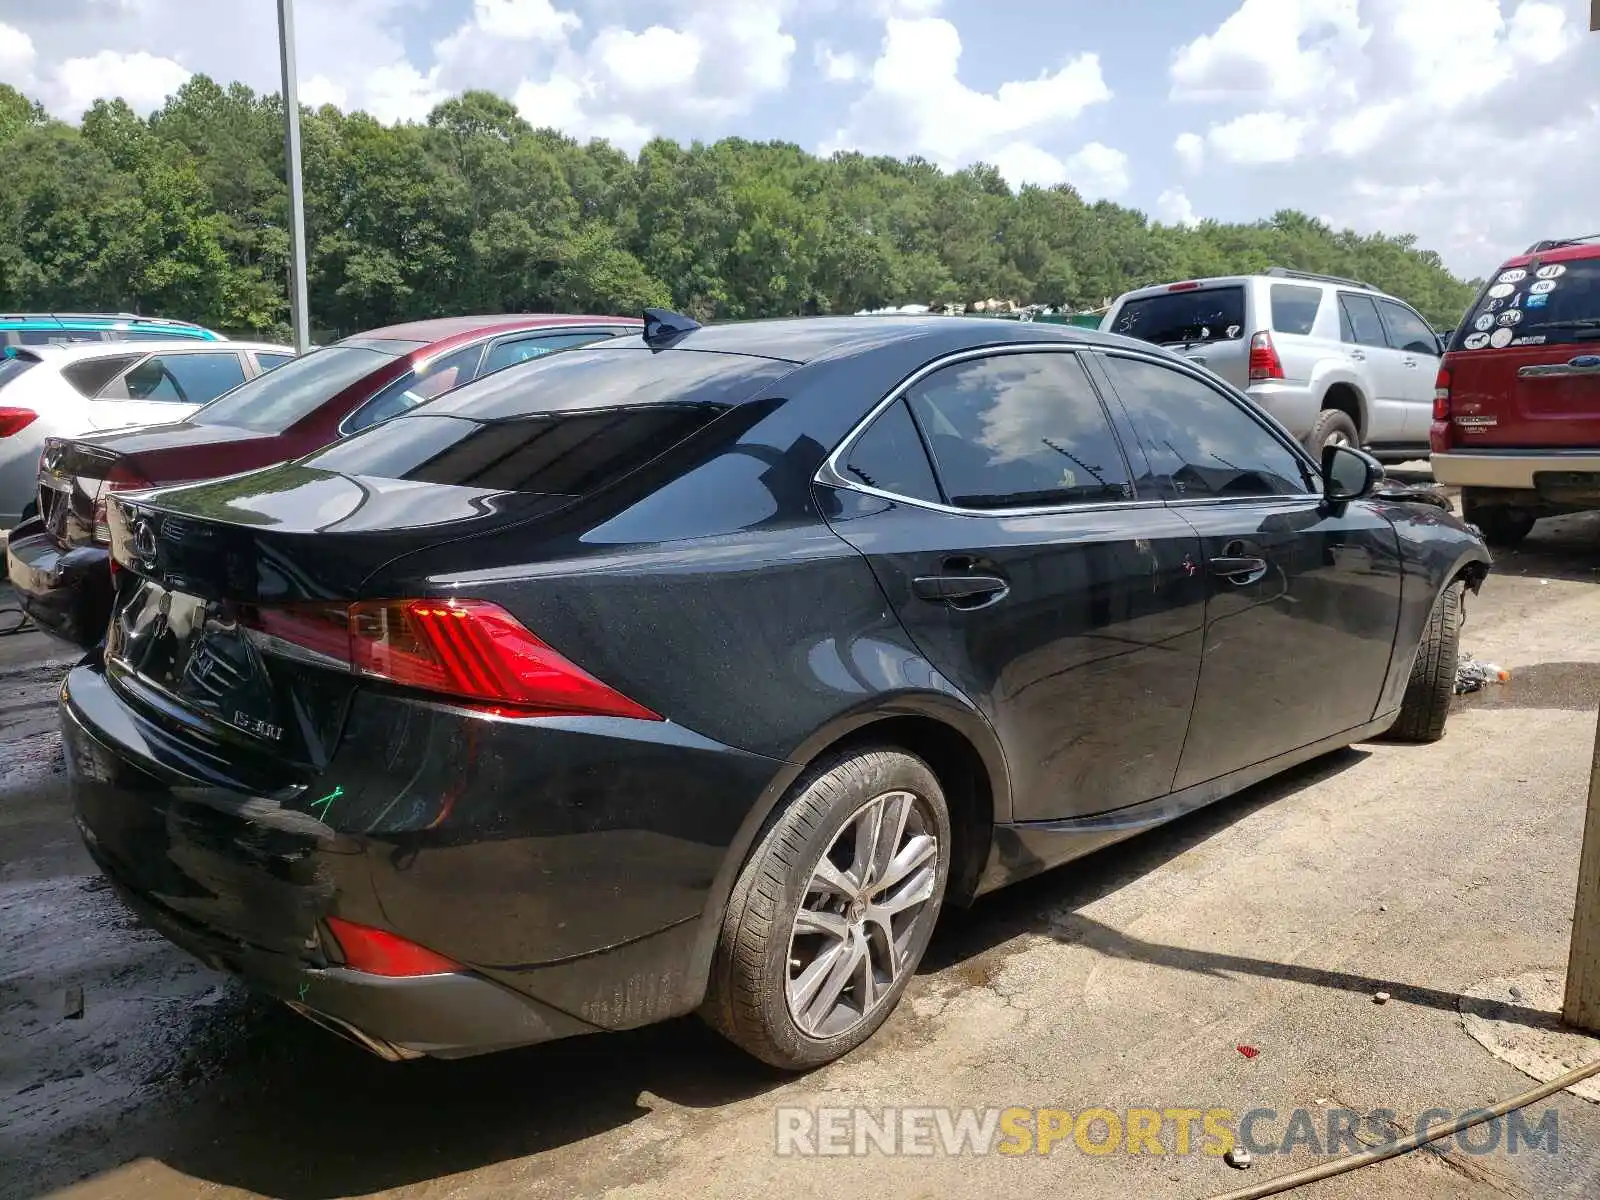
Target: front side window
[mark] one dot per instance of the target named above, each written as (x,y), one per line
(1408,331)
(1201,443)
(1358,321)
(180,378)
(1019,430)
(889,456)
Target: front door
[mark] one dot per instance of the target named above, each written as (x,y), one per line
(1032,577)
(1303,597)
(1414,340)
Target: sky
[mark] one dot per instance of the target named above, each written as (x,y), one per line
(1473,124)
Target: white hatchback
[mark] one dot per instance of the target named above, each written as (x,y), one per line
(93,387)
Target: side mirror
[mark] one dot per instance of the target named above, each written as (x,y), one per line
(1349,474)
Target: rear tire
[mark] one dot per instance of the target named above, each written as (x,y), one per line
(1332,427)
(800,903)
(1502,525)
(1426,706)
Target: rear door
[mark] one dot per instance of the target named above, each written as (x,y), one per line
(1367,344)
(1302,598)
(1525,368)
(1032,574)
(1418,347)
(1204,322)
(166,387)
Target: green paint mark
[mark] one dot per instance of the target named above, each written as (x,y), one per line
(327,803)
(304,988)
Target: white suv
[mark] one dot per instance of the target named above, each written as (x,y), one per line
(1334,360)
(90,387)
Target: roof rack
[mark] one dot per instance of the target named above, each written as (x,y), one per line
(1286,273)
(99,316)
(1556,243)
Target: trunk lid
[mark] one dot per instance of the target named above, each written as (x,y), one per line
(1525,364)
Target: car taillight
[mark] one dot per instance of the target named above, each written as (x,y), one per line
(378,952)
(14,420)
(468,649)
(1441,395)
(1264,360)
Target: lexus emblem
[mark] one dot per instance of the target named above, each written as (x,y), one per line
(144,542)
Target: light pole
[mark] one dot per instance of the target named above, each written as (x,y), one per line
(298,303)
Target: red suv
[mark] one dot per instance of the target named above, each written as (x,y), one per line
(58,561)
(1516,410)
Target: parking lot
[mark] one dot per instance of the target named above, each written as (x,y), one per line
(1130,979)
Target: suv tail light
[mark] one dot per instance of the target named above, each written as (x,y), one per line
(1264,360)
(472,650)
(1441,395)
(15,420)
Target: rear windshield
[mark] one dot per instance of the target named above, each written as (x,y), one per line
(1552,304)
(14,364)
(1294,308)
(272,402)
(567,424)
(1213,314)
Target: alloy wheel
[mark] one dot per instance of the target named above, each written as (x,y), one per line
(861,913)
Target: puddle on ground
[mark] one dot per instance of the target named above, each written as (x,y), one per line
(1567,685)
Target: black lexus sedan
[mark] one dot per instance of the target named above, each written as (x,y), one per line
(699,670)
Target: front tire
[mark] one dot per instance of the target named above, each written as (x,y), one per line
(833,911)
(1426,706)
(1332,427)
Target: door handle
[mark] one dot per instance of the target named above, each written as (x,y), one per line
(1241,569)
(958,588)
(1411,362)
(1359,355)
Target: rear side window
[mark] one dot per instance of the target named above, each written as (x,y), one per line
(567,424)
(15,364)
(1294,308)
(1408,331)
(1214,314)
(90,375)
(1358,321)
(181,378)
(56,337)
(1017,430)
(267,361)
(1549,304)
(511,352)
(890,456)
(405,393)
(1200,443)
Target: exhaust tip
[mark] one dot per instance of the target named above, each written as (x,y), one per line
(387,1051)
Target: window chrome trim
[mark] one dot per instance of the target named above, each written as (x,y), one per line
(832,472)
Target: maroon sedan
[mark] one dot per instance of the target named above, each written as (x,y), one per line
(58,561)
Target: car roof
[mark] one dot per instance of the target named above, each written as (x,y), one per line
(1574,252)
(811,339)
(73,351)
(437,329)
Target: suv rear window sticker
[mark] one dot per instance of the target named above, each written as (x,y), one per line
(1540,287)
(1484,323)
(1501,290)
(1553,271)
(1475,341)
(1515,275)
(1510,316)
(1500,337)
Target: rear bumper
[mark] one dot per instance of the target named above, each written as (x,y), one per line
(566,864)
(66,591)
(1513,470)
(1293,404)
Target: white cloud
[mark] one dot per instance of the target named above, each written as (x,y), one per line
(143,80)
(1191,149)
(1174,208)
(1425,116)
(655,60)
(17,56)
(400,92)
(565,103)
(917,104)
(1260,137)
(1098,172)
(524,20)
(320,90)
(837,67)
(1022,163)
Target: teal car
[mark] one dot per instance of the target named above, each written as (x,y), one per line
(54,329)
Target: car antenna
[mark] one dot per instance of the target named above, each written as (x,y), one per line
(661,325)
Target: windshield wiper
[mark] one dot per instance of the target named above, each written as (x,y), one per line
(1570,323)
